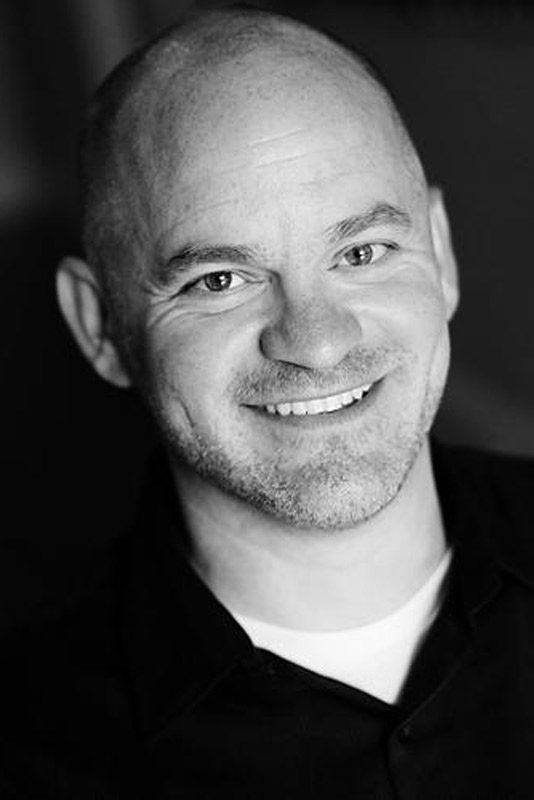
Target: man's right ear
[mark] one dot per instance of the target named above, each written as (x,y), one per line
(82,304)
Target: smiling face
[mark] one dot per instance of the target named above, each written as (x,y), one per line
(290,318)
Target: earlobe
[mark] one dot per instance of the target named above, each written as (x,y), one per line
(82,304)
(441,239)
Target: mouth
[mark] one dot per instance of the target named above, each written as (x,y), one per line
(318,406)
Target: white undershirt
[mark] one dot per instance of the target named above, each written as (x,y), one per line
(375,657)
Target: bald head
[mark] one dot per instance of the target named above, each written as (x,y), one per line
(173,93)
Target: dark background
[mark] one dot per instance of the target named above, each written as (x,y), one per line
(74,448)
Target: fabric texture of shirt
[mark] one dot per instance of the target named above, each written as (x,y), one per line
(144,686)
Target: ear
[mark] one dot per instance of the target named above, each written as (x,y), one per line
(82,304)
(441,239)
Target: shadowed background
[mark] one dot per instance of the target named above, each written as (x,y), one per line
(74,448)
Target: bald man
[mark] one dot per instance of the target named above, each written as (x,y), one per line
(315,603)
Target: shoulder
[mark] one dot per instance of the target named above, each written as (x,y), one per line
(54,660)
(66,722)
(495,490)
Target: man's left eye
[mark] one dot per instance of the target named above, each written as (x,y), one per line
(363,254)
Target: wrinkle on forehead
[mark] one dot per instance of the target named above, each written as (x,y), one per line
(257,100)
(272,138)
(258,120)
(335,134)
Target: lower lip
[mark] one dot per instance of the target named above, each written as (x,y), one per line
(344,414)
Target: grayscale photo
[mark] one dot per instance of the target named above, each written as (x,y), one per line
(268,436)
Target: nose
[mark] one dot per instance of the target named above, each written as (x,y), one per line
(314,333)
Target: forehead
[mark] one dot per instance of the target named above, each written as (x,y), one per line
(297,140)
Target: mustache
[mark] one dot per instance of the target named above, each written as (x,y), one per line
(362,365)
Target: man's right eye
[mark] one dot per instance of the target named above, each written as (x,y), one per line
(221,281)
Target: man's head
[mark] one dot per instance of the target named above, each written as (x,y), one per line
(262,246)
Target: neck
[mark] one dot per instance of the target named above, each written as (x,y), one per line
(315,580)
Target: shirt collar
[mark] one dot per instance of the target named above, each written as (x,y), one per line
(474,574)
(485,504)
(180,641)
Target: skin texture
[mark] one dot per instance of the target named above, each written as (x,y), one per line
(267,147)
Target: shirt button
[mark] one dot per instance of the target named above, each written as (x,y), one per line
(405,733)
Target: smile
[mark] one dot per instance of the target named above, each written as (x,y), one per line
(322,405)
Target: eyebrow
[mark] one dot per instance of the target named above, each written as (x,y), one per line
(191,254)
(380,214)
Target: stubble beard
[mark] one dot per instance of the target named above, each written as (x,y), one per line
(347,482)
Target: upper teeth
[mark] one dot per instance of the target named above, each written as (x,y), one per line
(320,406)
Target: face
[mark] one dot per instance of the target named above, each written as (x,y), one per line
(291,321)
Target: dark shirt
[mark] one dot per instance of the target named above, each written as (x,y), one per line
(147,688)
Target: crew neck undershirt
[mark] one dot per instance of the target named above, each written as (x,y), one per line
(374,658)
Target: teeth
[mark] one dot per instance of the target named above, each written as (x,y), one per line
(283,409)
(316,406)
(322,405)
(332,404)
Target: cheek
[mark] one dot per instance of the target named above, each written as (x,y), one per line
(440,358)
(190,363)
(181,370)
(411,317)
(429,341)
(198,355)
(415,310)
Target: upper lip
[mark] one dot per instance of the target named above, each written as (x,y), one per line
(322,396)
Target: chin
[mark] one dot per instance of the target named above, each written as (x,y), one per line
(335,491)
(337,496)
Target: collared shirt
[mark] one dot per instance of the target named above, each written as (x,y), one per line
(146,687)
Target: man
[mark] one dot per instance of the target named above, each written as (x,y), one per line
(314,604)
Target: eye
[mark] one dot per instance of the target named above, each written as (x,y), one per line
(221,281)
(363,254)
